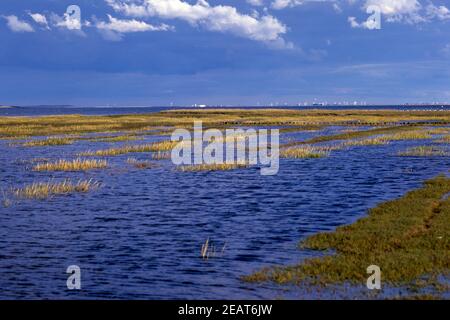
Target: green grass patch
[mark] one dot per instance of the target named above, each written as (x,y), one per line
(408,238)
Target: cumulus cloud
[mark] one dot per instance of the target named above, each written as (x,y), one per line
(398,10)
(114,28)
(125,26)
(39,19)
(406,11)
(220,18)
(68,22)
(410,11)
(438,12)
(17,25)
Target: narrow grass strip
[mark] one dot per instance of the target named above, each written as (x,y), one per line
(153,147)
(43,190)
(48,142)
(424,151)
(304,152)
(71,165)
(212,167)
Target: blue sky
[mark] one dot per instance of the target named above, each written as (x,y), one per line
(159,52)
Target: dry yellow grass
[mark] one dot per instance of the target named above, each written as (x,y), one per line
(367,142)
(71,165)
(153,147)
(441,130)
(305,152)
(116,138)
(212,118)
(212,167)
(48,142)
(409,135)
(43,190)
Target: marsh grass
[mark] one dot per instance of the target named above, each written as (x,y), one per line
(401,132)
(212,118)
(161,155)
(140,164)
(71,165)
(209,250)
(44,190)
(212,167)
(382,140)
(438,131)
(409,135)
(153,147)
(409,238)
(424,151)
(116,138)
(303,152)
(48,142)
(444,139)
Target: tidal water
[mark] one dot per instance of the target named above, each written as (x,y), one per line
(139,236)
(108,110)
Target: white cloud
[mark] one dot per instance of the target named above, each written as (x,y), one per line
(398,10)
(282,4)
(220,18)
(39,19)
(17,25)
(441,12)
(411,11)
(69,23)
(256,3)
(353,22)
(125,26)
(368,24)
(407,11)
(114,28)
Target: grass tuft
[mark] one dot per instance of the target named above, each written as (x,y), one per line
(424,151)
(73,165)
(43,190)
(153,147)
(409,135)
(212,167)
(367,142)
(305,152)
(48,142)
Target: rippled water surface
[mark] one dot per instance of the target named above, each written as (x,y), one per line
(140,234)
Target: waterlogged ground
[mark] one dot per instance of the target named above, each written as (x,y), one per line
(140,234)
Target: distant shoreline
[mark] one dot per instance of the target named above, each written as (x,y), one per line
(297,107)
